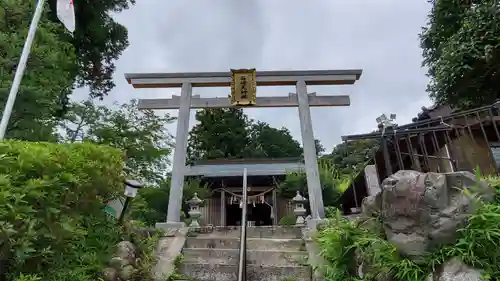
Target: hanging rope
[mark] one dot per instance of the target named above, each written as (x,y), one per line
(239,196)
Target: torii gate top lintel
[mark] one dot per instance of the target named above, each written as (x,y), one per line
(223,79)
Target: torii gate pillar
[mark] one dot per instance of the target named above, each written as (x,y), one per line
(181,139)
(186,102)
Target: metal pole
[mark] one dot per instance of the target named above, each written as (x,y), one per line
(243,236)
(20,69)
(124,210)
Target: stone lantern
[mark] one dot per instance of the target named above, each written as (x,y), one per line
(299,209)
(194,210)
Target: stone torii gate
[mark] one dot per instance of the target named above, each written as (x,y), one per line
(300,99)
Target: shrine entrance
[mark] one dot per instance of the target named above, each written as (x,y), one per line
(260,214)
(233,215)
(259,211)
(243,84)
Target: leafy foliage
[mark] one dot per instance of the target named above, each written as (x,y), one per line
(481,234)
(349,158)
(98,41)
(146,247)
(343,242)
(220,133)
(494,182)
(57,60)
(269,142)
(141,135)
(151,204)
(48,77)
(461,44)
(320,149)
(287,220)
(330,180)
(51,208)
(229,133)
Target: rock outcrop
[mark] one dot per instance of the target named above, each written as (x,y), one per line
(455,270)
(123,263)
(421,211)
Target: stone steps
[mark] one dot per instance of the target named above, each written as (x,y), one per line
(254,257)
(256,232)
(252,243)
(224,272)
(273,254)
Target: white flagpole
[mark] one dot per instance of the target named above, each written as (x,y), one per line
(20,69)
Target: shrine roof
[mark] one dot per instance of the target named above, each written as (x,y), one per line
(255,167)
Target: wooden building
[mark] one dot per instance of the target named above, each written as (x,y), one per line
(438,140)
(224,178)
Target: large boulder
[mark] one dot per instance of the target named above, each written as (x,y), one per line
(456,270)
(122,264)
(420,211)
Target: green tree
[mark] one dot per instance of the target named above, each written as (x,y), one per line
(48,77)
(141,135)
(98,41)
(350,158)
(151,204)
(269,142)
(229,133)
(220,133)
(320,149)
(57,60)
(461,45)
(330,180)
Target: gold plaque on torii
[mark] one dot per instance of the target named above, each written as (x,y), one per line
(243,87)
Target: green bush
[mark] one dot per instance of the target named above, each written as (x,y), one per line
(330,212)
(342,240)
(287,220)
(494,182)
(330,179)
(478,242)
(151,204)
(145,248)
(52,198)
(31,277)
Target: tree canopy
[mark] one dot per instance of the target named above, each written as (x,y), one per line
(48,77)
(98,41)
(141,135)
(220,133)
(58,62)
(461,45)
(229,133)
(269,142)
(349,158)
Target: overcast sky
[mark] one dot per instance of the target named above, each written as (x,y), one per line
(380,37)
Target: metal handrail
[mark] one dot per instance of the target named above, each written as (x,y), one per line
(242,265)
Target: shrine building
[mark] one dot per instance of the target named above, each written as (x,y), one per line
(224,178)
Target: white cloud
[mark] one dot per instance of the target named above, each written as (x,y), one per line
(380,37)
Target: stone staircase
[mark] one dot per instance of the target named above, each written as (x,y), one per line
(273,254)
